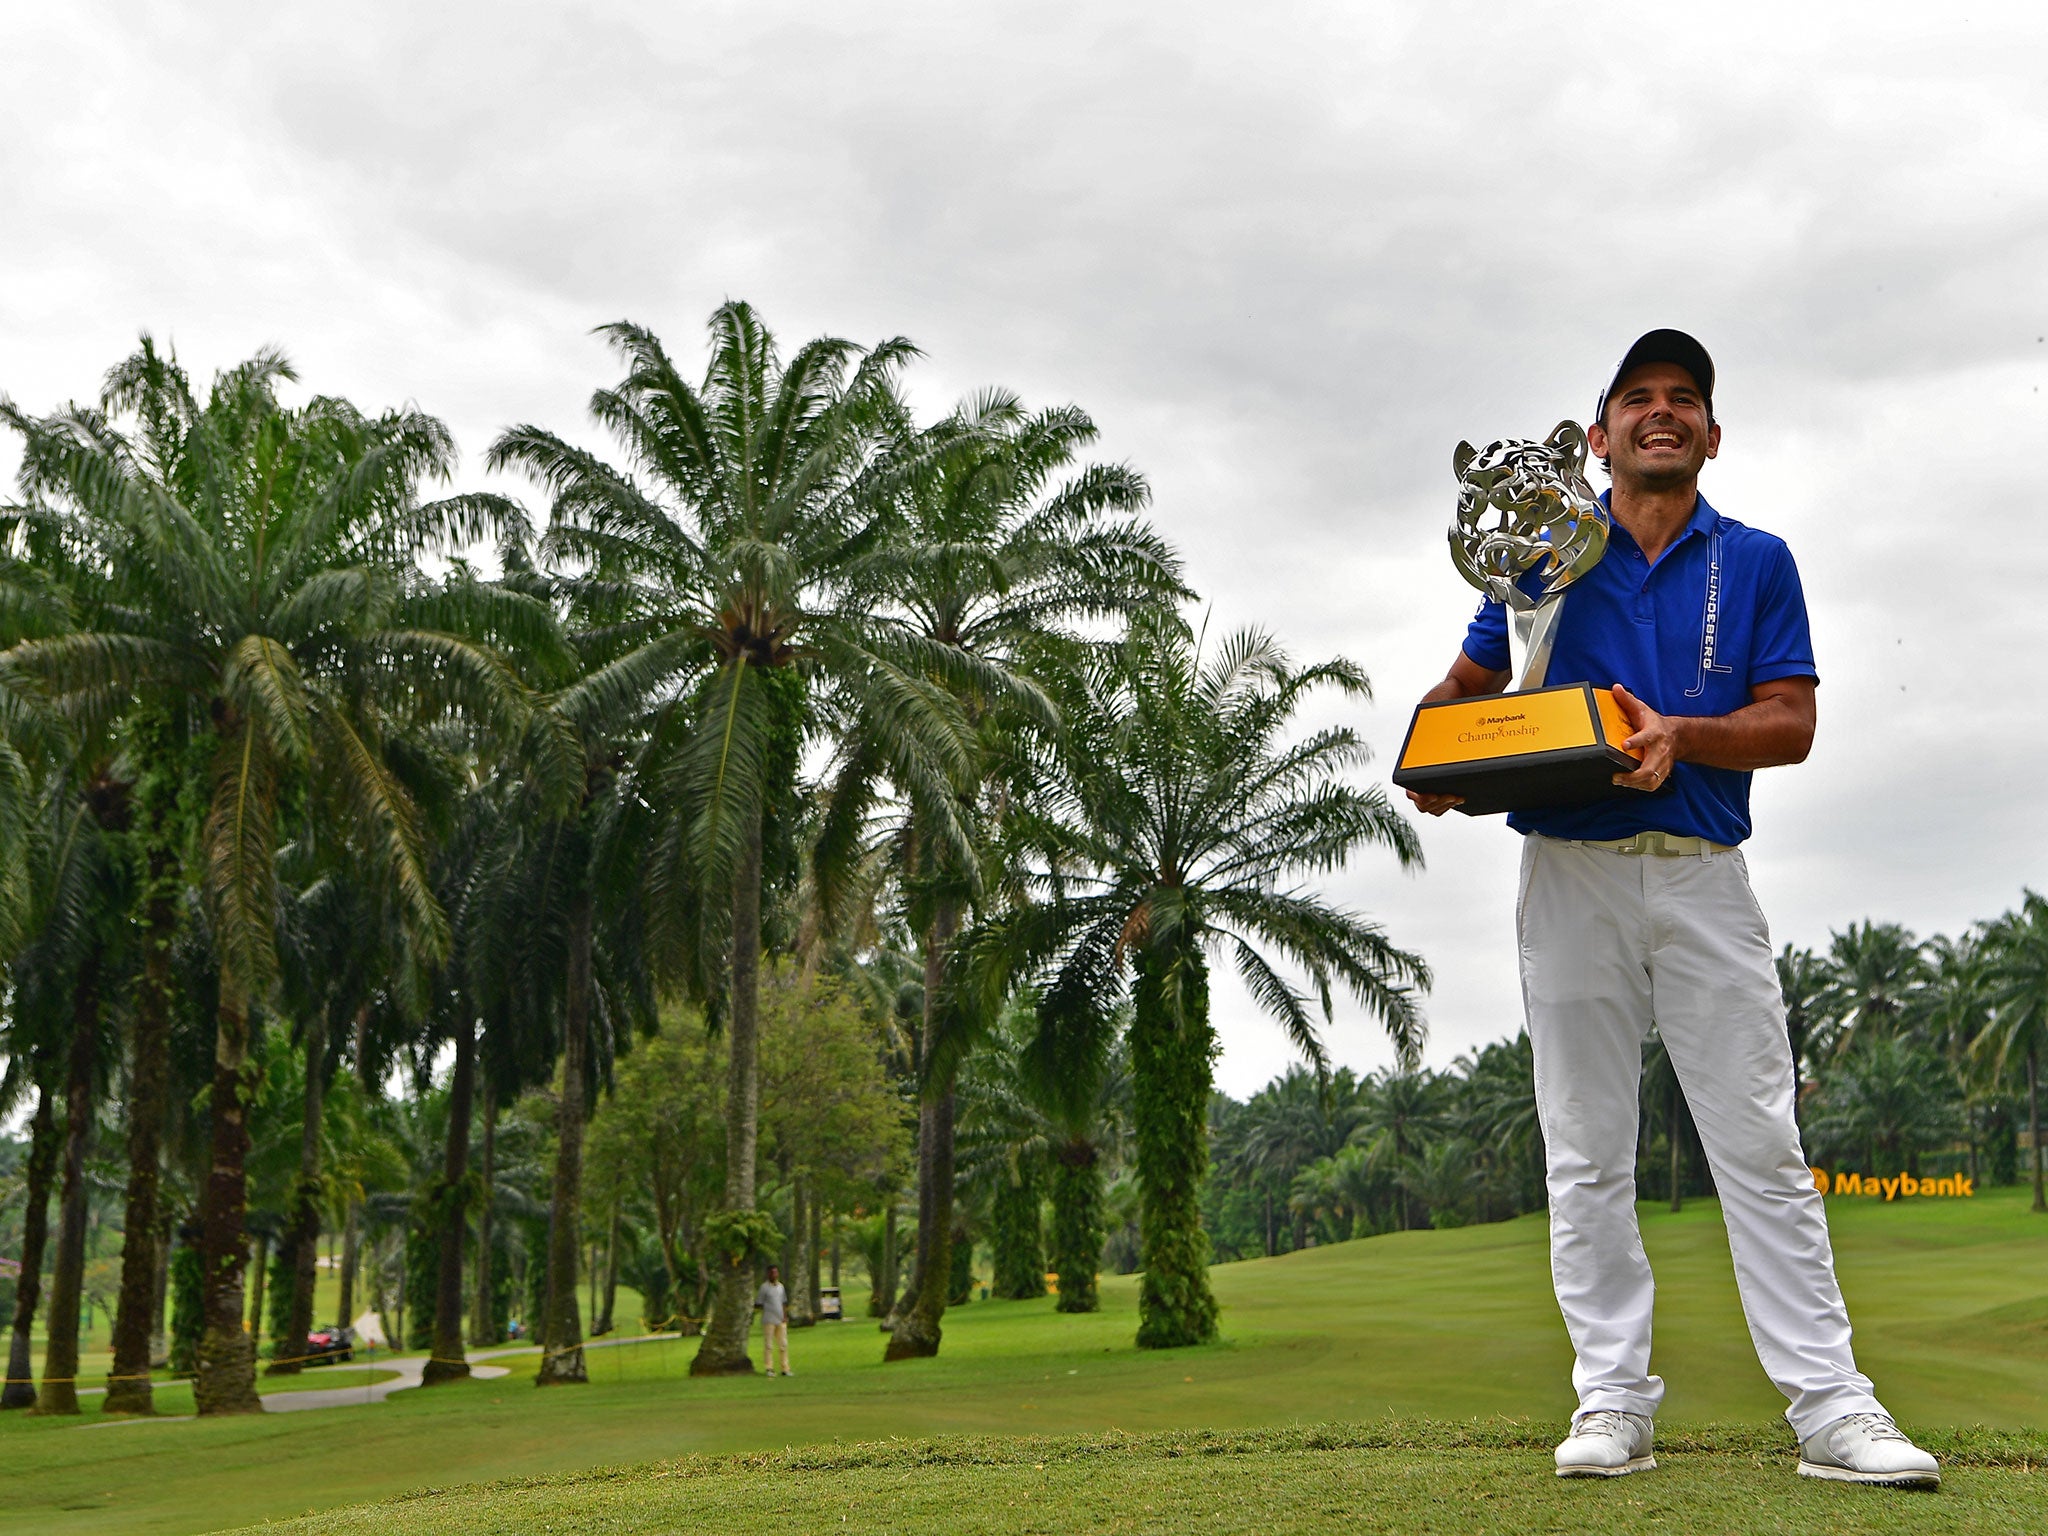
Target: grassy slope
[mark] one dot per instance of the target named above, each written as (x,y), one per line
(1951,1302)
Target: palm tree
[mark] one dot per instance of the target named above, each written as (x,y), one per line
(1002,549)
(1036,1128)
(729,571)
(1875,973)
(1955,1004)
(1289,1125)
(1003,1151)
(163,824)
(2017,944)
(1803,982)
(1445,1176)
(1085,1102)
(1664,1105)
(338,948)
(1953,1011)
(551,957)
(1339,1191)
(260,560)
(1404,1110)
(1184,823)
(69,976)
(1497,1113)
(1888,1100)
(30,1068)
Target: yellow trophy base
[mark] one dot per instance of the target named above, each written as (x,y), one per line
(1540,750)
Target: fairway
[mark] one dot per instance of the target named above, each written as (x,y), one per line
(1950,1298)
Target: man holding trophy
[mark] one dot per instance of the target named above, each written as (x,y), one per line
(1687,665)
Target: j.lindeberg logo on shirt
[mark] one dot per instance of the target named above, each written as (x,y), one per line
(1710,619)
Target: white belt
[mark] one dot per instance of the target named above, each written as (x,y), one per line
(1662,845)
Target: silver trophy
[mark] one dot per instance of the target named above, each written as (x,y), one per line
(1525,507)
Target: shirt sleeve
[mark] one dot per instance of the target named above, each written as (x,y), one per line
(1486,637)
(1781,645)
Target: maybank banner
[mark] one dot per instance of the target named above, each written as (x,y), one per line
(1899,1187)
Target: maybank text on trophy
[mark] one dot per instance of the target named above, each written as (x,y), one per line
(1527,527)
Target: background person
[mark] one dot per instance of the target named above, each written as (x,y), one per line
(1638,911)
(773,1300)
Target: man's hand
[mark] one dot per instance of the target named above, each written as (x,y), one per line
(1655,741)
(1775,727)
(1466,680)
(1435,805)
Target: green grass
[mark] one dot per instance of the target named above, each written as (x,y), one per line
(95,1333)
(1404,1478)
(1950,1300)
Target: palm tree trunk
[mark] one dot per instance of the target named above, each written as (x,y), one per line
(1671,1104)
(351,1261)
(801,1312)
(159,1332)
(816,1295)
(724,1349)
(885,1282)
(920,1240)
(918,1330)
(1077,1225)
(1170,1047)
(20,1389)
(302,1239)
(257,1287)
(2034,1123)
(448,1362)
(381,1299)
(562,1335)
(143,1250)
(226,1382)
(1401,1160)
(611,1270)
(67,1273)
(483,1324)
(1017,1238)
(352,1219)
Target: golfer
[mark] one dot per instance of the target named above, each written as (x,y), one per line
(1638,911)
(773,1300)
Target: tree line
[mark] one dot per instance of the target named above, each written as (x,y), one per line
(1909,1055)
(302,796)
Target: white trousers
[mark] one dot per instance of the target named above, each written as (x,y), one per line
(1611,943)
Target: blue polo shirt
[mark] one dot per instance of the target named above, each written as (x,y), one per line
(1720,612)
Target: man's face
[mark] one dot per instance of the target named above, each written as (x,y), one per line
(1656,433)
(774,1273)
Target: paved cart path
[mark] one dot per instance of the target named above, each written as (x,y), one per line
(409,1369)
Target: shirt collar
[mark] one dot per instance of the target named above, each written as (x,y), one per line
(1703,519)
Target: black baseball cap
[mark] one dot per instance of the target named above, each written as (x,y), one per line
(1664,346)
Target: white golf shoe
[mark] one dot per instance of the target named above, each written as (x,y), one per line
(1867,1448)
(1605,1443)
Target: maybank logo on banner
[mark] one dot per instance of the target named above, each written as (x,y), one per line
(1901,1187)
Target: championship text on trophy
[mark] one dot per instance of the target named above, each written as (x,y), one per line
(1535,746)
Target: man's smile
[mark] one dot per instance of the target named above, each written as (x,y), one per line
(1661,437)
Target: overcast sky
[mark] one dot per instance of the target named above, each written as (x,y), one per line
(1286,255)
